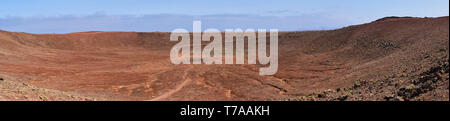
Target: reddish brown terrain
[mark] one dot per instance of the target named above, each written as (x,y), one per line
(389,59)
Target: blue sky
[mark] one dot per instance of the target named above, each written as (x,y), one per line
(62,16)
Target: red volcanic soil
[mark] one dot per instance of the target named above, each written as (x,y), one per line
(389,59)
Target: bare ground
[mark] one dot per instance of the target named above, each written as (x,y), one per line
(391,59)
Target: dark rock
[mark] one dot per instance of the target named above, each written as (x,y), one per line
(321,95)
(343,98)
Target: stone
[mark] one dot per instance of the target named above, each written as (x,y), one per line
(397,98)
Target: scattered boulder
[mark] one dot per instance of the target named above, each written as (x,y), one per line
(389,97)
(397,98)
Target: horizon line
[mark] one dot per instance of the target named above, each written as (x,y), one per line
(222,31)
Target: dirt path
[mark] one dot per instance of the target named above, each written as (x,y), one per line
(186,81)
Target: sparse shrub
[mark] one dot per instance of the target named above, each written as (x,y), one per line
(357,84)
(410,87)
(401,75)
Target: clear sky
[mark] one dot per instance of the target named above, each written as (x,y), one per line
(61,16)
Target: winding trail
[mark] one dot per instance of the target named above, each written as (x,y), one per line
(186,81)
